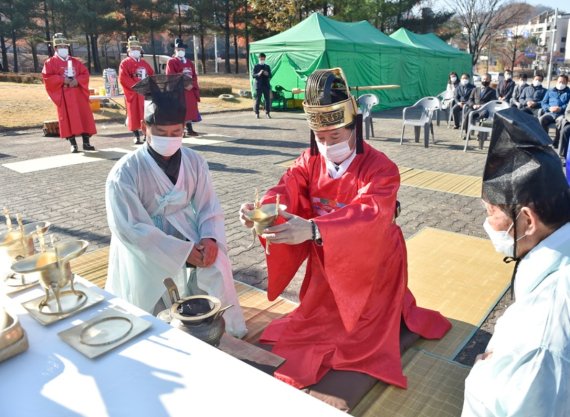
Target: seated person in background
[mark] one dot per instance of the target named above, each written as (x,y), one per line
(506,87)
(449,94)
(479,96)
(341,199)
(462,94)
(554,105)
(164,215)
(520,85)
(525,370)
(565,134)
(532,96)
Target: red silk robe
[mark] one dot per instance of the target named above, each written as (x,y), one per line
(176,66)
(354,293)
(73,110)
(131,72)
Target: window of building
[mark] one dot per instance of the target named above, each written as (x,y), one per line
(562,50)
(563,39)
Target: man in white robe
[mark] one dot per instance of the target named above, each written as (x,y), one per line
(165,218)
(525,370)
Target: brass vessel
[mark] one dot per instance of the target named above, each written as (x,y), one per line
(13,339)
(55,273)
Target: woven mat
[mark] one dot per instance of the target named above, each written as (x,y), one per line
(92,266)
(460,276)
(435,389)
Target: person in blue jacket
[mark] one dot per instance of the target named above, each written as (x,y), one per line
(531,97)
(554,105)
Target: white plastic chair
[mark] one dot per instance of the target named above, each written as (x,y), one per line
(447,110)
(420,115)
(483,126)
(365,103)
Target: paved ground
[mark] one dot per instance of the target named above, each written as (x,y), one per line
(243,153)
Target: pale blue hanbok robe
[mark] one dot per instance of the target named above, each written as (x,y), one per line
(155,225)
(528,373)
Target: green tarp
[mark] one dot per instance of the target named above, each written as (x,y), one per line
(367,56)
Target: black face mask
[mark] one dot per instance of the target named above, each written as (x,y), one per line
(486,83)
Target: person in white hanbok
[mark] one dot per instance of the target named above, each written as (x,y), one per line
(164,215)
(525,370)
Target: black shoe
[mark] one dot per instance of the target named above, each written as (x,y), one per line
(257,115)
(268,116)
(137,141)
(74,149)
(88,147)
(455,127)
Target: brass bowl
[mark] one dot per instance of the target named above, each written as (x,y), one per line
(13,339)
(47,264)
(11,243)
(264,216)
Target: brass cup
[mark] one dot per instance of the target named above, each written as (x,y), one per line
(14,247)
(264,216)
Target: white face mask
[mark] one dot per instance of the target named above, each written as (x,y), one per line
(335,153)
(453,79)
(508,76)
(181,53)
(135,54)
(536,83)
(63,52)
(165,145)
(502,241)
(560,86)
(262,61)
(464,81)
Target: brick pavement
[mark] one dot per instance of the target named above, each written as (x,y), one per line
(249,156)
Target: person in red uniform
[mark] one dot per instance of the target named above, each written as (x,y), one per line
(67,83)
(179,64)
(341,204)
(132,70)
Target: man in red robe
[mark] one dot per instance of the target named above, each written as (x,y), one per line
(341,206)
(132,70)
(67,82)
(179,64)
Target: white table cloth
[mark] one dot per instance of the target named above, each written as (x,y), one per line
(162,372)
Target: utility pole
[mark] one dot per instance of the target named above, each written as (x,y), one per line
(195,48)
(553,32)
(216,52)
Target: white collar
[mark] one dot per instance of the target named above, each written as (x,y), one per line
(64,60)
(342,167)
(542,260)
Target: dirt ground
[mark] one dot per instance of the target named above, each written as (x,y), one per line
(28,105)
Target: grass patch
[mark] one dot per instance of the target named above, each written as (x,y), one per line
(24,105)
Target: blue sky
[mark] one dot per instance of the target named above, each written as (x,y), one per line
(439,4)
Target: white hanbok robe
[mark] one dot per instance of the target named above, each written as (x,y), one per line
(155,225)
(528,373)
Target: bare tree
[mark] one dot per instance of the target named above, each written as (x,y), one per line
(481,20)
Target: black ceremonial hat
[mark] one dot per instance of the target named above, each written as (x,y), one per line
(521,165)
(165,103)
(179,43)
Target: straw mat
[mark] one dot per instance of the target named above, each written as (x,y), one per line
(435,389)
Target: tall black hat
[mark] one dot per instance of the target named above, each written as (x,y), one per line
(521,165)
(165,103)
(179,43)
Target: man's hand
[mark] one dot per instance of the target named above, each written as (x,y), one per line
(196,257)
(295,230)
(476,106)
(554,109)
(461,105)
(244,220)
(209,249)
(266,72)
(73,83)
(483,356)
(530,103)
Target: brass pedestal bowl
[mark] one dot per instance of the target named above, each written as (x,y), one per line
(262,218)
(13,338)
(55,274)
(15,245)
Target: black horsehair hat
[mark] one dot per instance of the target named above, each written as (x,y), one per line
(179,43)
(165,103)
(521,165)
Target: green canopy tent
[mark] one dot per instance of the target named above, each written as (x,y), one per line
(367,56)
(440,61)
